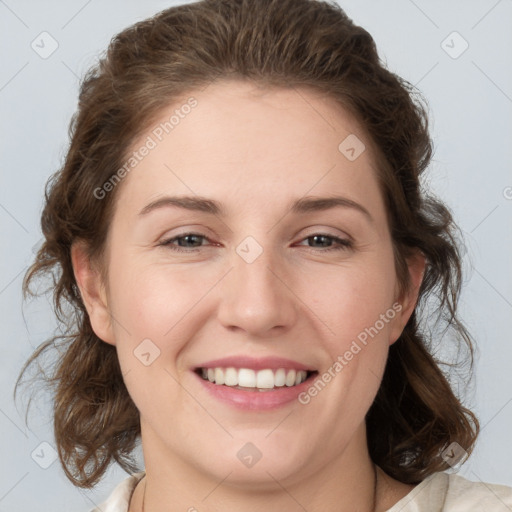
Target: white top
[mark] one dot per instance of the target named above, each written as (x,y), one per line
(440,492)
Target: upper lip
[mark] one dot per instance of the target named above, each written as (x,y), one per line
(273,363)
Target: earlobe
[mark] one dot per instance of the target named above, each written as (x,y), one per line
(93,292)
(408,300)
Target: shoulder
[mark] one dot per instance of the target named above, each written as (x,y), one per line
(119,500)
(463,494)
(453,493)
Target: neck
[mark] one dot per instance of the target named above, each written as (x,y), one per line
(346,483)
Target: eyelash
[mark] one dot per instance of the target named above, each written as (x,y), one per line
(343,244)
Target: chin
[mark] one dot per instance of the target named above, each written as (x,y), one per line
(257,461)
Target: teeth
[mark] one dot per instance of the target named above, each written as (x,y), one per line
(247,378)
(290,378)
(219,376)
(230,377)
(265,379)
(280,378)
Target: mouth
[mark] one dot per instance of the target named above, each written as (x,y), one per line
(248,379)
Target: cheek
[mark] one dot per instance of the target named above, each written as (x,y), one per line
(354,307)
(158,310)
(152,300)
(148,309)
(353,301)
(151,307)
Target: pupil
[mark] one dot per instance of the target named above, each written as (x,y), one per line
(189,238)
(319,238)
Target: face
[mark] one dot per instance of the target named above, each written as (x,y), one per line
(250,248)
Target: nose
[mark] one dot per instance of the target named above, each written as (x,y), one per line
(258,298)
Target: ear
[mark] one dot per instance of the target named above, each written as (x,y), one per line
(93,292)
(416,265)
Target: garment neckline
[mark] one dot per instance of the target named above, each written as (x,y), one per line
(413,493)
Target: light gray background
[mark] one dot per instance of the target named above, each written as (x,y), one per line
(470,99)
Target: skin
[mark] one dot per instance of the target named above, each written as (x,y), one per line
(254,150)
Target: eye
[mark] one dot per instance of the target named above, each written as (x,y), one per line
(325,242)
(191,242)
(187,242)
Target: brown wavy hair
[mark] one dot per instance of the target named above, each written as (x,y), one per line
(280,43)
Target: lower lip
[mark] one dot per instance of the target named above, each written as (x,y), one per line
(255,400)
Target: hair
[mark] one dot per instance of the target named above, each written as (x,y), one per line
(274,43)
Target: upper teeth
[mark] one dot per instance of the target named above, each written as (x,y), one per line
(247,378)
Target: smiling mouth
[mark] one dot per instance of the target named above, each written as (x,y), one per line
(247,379)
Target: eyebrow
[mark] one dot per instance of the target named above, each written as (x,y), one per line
(303,205)
(317,204)
(193,203)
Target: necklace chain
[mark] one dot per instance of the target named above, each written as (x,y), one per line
(374,490)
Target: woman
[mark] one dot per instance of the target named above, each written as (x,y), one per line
(240,231)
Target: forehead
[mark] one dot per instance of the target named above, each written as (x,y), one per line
(237,140)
